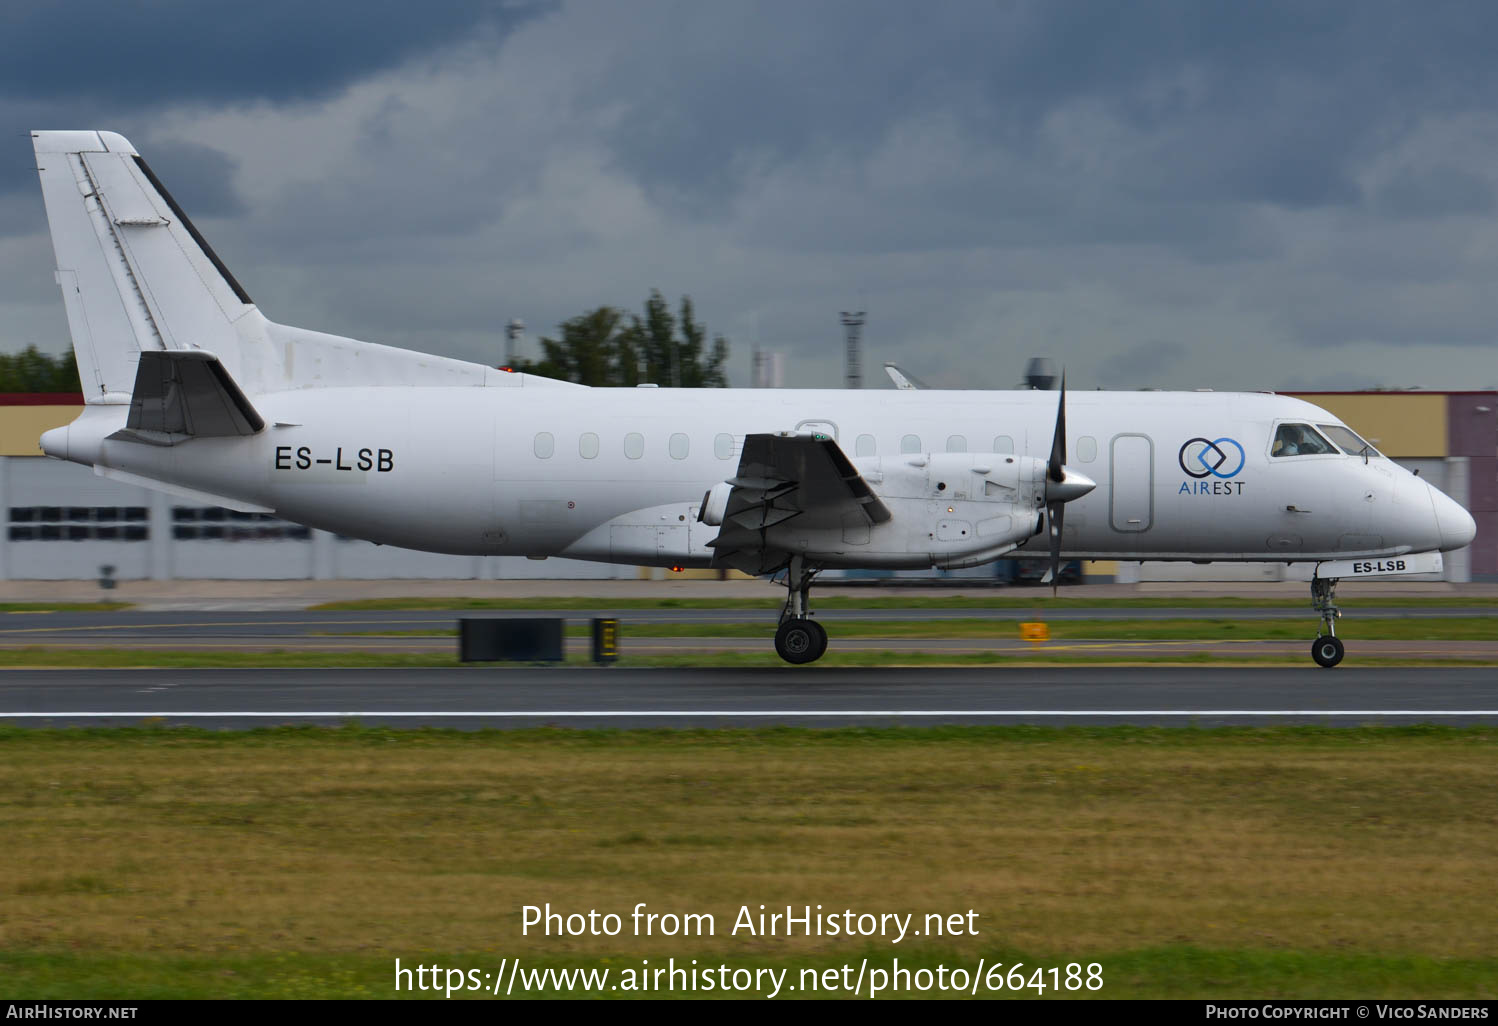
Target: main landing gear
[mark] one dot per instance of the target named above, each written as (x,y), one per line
(1327,649)
(799,639)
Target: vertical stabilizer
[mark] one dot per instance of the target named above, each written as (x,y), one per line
(136,276)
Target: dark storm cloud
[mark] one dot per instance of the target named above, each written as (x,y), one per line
(1437,192)
(201,178)
(106,63)
(1141,365)
(1265,102)
(190,51)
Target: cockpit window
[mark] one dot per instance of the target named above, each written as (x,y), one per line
(1300,440)
(1347,439)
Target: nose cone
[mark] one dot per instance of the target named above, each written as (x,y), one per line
(55,442)
(1456,525)
(1073,485)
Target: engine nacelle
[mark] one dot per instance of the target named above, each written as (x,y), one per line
(715,504)
(947,510)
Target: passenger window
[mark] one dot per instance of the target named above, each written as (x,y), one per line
(634,445)
(545,444)
(1086,449)
(723,447)
(1003,443)
(678,445)
(1347,439)
(864,446)
(956,443)
(587,446)
(910,443)
(1299,440)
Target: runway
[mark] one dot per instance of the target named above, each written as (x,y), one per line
(471,698)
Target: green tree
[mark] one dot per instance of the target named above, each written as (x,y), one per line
(587,352)
(608,347)
(31,370)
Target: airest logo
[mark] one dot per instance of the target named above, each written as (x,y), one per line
(1219,457)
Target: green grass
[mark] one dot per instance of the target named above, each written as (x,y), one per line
(1168,972)
(1250,862)
(1474,628)
(62,607)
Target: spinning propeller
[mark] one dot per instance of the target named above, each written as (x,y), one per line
(1062,485)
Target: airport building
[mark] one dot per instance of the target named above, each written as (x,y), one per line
(66,523)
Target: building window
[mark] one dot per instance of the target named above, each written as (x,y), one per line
(75,523)
(587,446)
(865,446)
(634,445)
(219,524)
(545,445)
(679,445)
(910,443)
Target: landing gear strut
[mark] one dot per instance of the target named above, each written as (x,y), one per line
(1327,649)
(799,639)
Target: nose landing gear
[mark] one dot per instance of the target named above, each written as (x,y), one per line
(1327,649)
(799,639)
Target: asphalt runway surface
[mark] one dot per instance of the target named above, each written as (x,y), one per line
(467,697)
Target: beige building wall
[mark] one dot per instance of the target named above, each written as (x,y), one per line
(21,427)
(1404,425)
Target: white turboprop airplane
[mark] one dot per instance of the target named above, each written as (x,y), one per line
(191,390)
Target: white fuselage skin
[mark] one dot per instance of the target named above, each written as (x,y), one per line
(618,475)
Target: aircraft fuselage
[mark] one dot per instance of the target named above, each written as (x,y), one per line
(538,472)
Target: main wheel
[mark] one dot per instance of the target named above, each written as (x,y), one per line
(800,641)
(821,637)
(1327,651)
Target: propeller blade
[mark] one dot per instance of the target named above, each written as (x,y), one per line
(1057,470)
(1057,515)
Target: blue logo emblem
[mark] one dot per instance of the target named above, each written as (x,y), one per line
(1220,458)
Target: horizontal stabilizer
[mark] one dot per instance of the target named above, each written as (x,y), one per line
(184,395)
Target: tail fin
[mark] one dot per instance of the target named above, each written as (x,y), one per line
(136,275)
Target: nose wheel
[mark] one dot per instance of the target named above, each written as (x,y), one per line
(1327,649)
(799,639)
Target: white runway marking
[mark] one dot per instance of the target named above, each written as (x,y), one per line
(557,714)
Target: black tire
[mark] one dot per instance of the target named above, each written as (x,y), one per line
(821,638)
(1327,651)
(800,641)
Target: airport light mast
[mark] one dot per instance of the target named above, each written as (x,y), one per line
(853,330)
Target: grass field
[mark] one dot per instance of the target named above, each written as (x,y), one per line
(301,862)
(59,607)
(1454,628)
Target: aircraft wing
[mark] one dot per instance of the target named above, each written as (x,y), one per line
(783,477)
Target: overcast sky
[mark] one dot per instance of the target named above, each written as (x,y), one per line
(1194,194)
